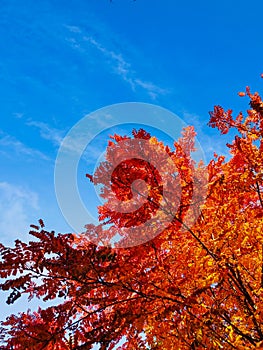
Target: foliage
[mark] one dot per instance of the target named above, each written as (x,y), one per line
(198,287)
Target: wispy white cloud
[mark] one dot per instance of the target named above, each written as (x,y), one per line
(47,132)
(17,206)
(73,29)
(18,115)
(10,144)
(56,136)
(116,61)
(73,143)
(152,89)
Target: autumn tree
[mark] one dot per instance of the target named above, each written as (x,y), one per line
(191,286)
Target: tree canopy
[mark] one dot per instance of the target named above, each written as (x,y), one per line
(197,286)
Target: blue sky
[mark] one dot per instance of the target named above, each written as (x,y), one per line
(61,60)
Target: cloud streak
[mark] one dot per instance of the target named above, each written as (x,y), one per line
(10,143)
(116,61)
(15,205)
(47,132)
(73,144)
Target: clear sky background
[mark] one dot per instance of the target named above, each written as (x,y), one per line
(60,60)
